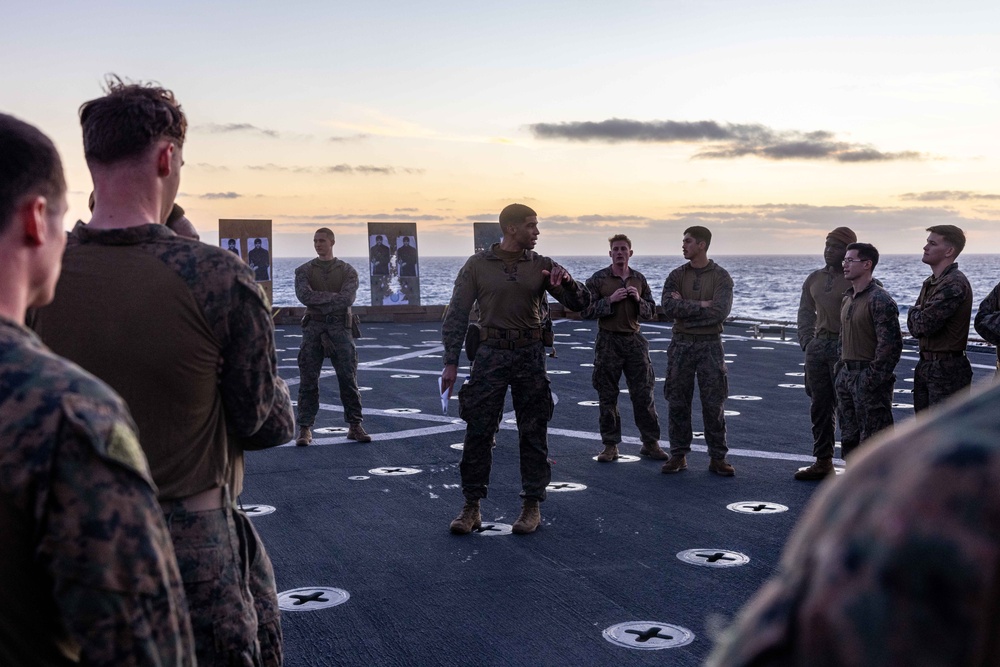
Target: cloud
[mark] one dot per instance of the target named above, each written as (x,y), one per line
(368,217)
(229,128)
(220,195)
(209,167)
(361,136)
(405,210)
(364,169)
(723,140)
(948,195)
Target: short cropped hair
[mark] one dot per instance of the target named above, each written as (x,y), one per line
(866,251)
(700,234)
(515,214)
(952,234)
(29,166)
(328,233)
(620,237)
(129,119)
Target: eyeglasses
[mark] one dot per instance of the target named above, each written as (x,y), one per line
(850,260)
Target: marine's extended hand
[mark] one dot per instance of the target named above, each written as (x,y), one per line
(633,292)
(448,377)
(619,294)
(557,275)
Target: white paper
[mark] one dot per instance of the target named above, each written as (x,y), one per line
(445,395)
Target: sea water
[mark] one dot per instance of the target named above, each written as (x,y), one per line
(766,287)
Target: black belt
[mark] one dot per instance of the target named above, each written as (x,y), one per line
(857,365)
(489,333)
(501,344)
(695,338)
(933,356)
(826,335)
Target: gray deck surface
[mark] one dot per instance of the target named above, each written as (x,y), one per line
(606,554)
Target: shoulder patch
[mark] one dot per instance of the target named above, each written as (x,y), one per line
(108,430)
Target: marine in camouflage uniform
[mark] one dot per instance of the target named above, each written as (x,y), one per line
(819,337)
(183,333)
(327,286)
(940,321)
(619,298)
(88,570)
(509,286)
(871,344)
(987,320)
(697,296)
(891,564)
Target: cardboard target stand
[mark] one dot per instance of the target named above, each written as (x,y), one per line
(251,240)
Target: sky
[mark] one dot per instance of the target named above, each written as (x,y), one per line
(769,122)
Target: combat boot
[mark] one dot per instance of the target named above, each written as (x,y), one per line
(469,520)
(357,432)
(675,464)
(721,467)
(530,519)
(305,436)
(653,451)
(609,454)
(819,470)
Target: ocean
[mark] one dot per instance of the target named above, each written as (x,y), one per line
(766,287)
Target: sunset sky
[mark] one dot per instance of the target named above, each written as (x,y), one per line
(769,122)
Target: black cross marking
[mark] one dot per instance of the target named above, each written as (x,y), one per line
(312,597)
(561,486)
(250,509)
(483,528)
(393,470)
(758,508)
(713,558)
(646,635)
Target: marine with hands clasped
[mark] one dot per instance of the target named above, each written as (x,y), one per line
(619,298)
(327,287)
(940,321)
(510,282)
(697,296)
(89,574)
(819,337)
(871,344)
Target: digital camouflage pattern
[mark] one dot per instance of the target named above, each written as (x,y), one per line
(481,398)
(615,353)
(891,565)
(940,322)
(987,320)
(88,567)
(819,336)
(701,359)
(864,397)
(327,288)
(263,589)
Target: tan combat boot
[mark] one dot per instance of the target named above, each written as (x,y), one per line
(468,520)
(305,436)
(530,519)
(819,470)
(721,467)
(653,451)
(357,432)
(609,454)
(675,464)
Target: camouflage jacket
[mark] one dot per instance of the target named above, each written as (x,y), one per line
(604,283)
(940,318)
(87,564)
(327,287)
(988,318)
(890,565)
(484,278)
(873,333)
(711,283)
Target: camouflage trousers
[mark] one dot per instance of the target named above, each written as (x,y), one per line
(223,564)
(481,399)
(345,363)
(822,355)
(935,380)
(863,409)
(686,361)
(615,353)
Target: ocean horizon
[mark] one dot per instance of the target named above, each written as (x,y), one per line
(766,287)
